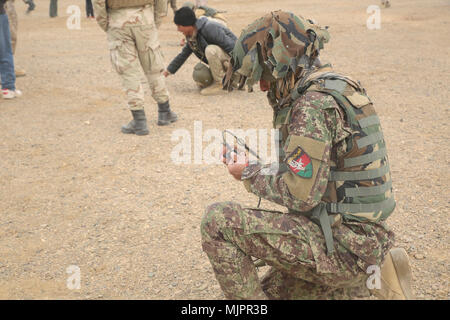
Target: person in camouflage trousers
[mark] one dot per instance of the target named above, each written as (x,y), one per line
(333,178)
(135,49)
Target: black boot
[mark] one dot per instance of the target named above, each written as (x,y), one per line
(138,125)
(165,115)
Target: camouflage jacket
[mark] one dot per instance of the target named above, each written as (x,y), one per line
(316,124)
(119,18)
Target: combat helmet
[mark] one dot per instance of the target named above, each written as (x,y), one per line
(276,46)
(202,75)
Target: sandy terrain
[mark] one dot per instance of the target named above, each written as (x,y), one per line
(75,191)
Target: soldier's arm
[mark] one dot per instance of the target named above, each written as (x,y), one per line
(311,131)
(101,14)
(179,60)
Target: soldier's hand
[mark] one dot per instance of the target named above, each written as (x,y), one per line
(183,42)
(166,73)
(236,162)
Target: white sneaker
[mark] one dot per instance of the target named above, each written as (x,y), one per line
(10,94)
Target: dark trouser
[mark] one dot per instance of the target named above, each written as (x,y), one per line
(53,8)
(7,75)
(89,9)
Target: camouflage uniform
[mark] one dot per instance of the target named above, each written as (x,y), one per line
(134,47)
(13,23)
(294,243)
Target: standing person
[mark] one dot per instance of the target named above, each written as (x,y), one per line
(7,76)
(211,42)
(53,8)
(134,48)
(13,27)
(89,9)
(333,178)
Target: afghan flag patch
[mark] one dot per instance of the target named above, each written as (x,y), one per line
(300,163)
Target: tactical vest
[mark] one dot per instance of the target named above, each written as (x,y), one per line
(359,187)
(118,4)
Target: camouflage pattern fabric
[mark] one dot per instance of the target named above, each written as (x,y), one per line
(291,243)
(294,248)
(276,44)
(135,50)
(362,152)
(13,23)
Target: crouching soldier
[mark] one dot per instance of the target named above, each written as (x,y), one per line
(211,42)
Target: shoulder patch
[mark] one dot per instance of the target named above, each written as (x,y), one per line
(300,163)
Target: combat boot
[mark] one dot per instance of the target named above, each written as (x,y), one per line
(165,115)
(396,277)
(138,125)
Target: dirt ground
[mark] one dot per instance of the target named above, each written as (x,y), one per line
(75,191)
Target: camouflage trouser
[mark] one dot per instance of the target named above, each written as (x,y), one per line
(134,51)
(13,23)
(216,58)
(295,249)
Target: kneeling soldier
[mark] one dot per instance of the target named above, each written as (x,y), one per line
(211,42)
(333,177)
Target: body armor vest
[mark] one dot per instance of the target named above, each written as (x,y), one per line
(118,4)
(359,186)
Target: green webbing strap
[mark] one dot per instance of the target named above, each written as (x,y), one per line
(358,175)
(360,207)
(368,191)
(320,216)
(370,139)
(366,158)
(282,168)
(280,117)
(369,121)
